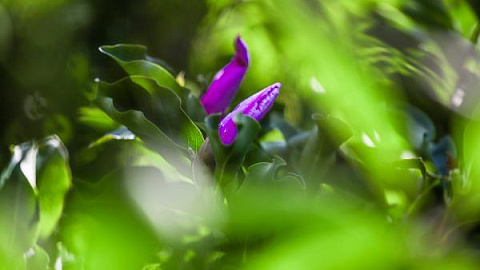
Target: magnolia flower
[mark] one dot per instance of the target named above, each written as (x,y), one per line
(256,106)
(226,82)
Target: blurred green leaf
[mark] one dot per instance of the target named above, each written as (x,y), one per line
(319,152)
(150,111)
(53,182)
(264,152)
(103,229)
(420,128)
(272,175)
(475,6)
(19,210)
(37,258)
(412,163)
(155,266)
(33,189)
(66,260)
(431,13)
(277,121)
(443,155)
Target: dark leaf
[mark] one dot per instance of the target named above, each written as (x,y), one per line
(272,175)
(443,155)
(318,154)
(150,111)
(430,13)
(475,4)
(134,60)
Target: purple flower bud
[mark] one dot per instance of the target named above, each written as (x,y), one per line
(256,106)
(226,82)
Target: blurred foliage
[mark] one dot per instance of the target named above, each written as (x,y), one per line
(367,161)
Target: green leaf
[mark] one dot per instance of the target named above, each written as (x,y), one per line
(420,129)
(39,177)
(67,259)
(431,13)
(412,163)
(53,182)
(97,119)
(119,134)
(155,266)
(104,229)
(18,207)
(135,61)
(277,121)
(150,111)
(264,152)
(229,159)
(319,152)
(272,175)
(475,6)
(36,258)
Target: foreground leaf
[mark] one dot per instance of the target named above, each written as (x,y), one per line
(18,207)
(53,181)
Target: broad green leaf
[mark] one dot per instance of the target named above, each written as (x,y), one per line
(273,135)
(150,111)
(155,266)
(318,154)
(272,175)
(53,182)
(464,16)
(102,229)
(413,163)
(97,119)
(134,60)
(475,6)
(66,259)
(43,166)
(420,129)
(277,121)
(36,258)
(18,207)
(325,248)
(264,152)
